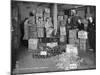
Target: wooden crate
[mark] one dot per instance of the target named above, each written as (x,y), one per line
(32,44)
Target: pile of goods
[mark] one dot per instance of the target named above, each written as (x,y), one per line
(68,60)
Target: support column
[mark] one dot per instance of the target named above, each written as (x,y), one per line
(88,12)
(55,17)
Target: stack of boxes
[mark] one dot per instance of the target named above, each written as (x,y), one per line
(32,27)
(73,37)
(62,25)
(32,33)
(82,35)
(48,23)
(40,22)
(33,44)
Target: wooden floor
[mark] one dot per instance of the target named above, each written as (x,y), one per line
(27,64)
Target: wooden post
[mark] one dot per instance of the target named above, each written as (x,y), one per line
(55,17)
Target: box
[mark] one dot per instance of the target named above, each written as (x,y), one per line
(49,32)
(83,47)
(73,66)
(60,18)
(43,53)
(72,41)
(62,30)
(31,20)
(32,44)
(40,31)
(65,17)
(32,28)
(52,44)
(32,35)
(82,34)
(73,33)
(40,22)
(48,22)
(61,13)
(62,39)
(71,49)
(47,10)
(63,22)
(39,11)
(46,15)
(82,44)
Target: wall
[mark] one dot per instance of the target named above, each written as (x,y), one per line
(25,9)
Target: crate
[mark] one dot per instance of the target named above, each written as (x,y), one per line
(60,18)
(82,44)
(82,34)
(47,10)
(32,44)
(73,33)
(40,31)
(62,39)
(62,30)
(32,35)
(71,49)
(49,32)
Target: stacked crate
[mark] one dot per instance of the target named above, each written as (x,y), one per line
(73,37)
(48,23)
(62,30)
(32,44)
(32,33)
(62,33)
(40,22)
(82,35)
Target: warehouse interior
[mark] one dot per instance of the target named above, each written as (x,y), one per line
(44,33)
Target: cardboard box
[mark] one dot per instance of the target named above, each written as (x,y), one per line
(82,44)
(39,11)
(71,49)
(48,22)
(62,39)
(43,53)
(31,20)
(73,33)
(60,18)
(82,34)
(72,41)
(65,17)
(46,15)
(73,66)
(47,10)
(63,22)
(32,44)
(52,44)
(32,28)
(49,32)
(32,35)
(40,31)
(62,30)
